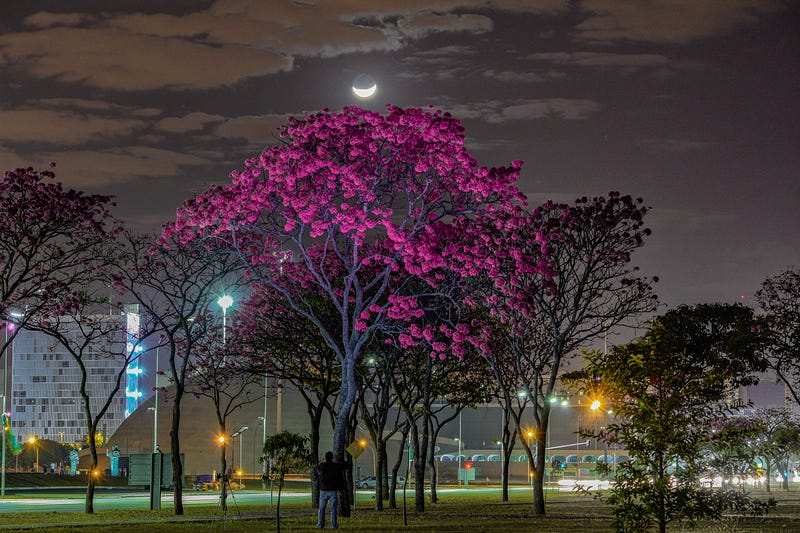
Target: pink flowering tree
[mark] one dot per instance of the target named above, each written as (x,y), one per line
(52,242)
(349,198)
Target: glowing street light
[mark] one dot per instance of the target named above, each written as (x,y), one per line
(32,441)
(238,433)
(364,445)
(595,405)
(224,301)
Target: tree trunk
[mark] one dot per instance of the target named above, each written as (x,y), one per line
(223,494)
(315,415)
(538,474)
(383,466)
(768,469)
(508,437)
(505,475)
(175,448)
(396,468)
(92,475)
(420,445)
(341,431)
(381,479)
(347,398)
(278,507)
(431,455)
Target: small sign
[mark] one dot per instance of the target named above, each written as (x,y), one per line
(355,449)
(466,474)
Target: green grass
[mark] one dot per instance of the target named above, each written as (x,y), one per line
(27,480)
(567,513)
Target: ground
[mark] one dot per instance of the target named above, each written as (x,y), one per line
(475,510)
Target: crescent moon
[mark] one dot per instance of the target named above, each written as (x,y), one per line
(365,93)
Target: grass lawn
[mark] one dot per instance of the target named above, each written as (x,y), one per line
(567,513)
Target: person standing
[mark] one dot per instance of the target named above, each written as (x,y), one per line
(330,477)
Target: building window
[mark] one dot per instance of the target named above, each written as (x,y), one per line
(39,379)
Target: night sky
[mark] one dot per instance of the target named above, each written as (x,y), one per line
(693,105)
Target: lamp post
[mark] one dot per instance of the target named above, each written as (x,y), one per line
(238,433)
(32,441)
(459,444)
(264,436)
(278,405)
(5,393)
(364,444)
(224,301)
(222,442)
(155,417)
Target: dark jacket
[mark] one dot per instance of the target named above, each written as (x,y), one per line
(330,476)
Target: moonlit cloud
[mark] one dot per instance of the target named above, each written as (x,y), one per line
(121,61)
(187,123)
(602,59)
(509,76)
(675,146)
(427,23)
(669,21)
(99,169)
(495,111)
(67,128)
(260,130)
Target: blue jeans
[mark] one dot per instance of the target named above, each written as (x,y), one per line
(326,496)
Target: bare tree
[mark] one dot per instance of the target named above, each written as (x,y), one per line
(176,286)
(221,375)
(779,299)
(89,336)
(592,289)
(280,342)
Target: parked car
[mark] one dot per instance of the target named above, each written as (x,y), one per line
(370,481)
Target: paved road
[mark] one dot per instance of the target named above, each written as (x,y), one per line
(134,500)
(74,501)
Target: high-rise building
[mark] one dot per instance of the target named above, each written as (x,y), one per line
(45,393)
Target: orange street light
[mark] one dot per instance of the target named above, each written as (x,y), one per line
(32,441)
(595,405)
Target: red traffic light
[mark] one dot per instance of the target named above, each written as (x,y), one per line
(467,465)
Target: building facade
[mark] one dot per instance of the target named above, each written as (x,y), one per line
(45,399)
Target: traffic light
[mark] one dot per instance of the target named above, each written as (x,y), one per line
(467,465)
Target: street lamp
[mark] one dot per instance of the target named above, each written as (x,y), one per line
(238,433)
(221,439)
(5,393)
(9,327)
(364,445)
(32,441)
(224,301)
(155,408)
(459,442)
